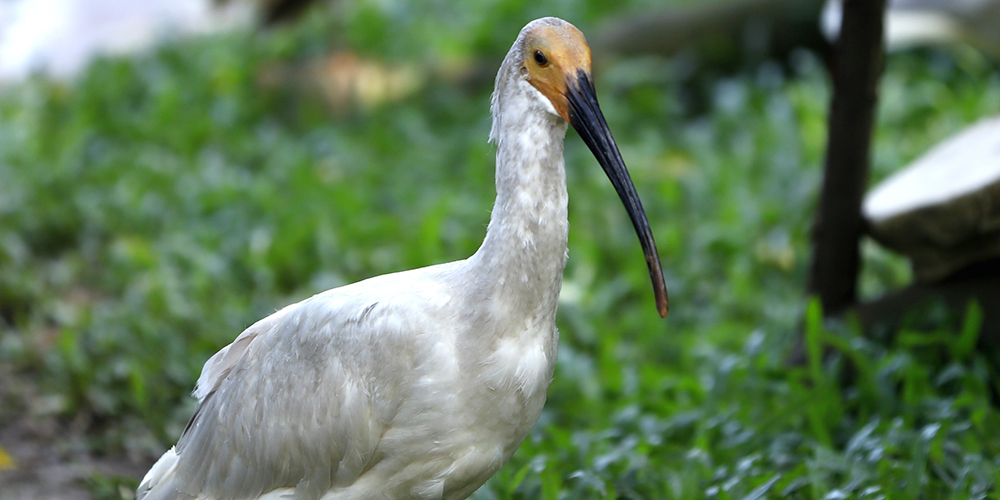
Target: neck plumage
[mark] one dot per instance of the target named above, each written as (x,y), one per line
(521,260)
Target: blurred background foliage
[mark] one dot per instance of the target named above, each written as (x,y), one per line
(158,204)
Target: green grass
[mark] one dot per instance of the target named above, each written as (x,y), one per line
(156,207)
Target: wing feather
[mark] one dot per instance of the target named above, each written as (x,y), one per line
(301,398)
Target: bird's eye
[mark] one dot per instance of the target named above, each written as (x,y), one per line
(540,58)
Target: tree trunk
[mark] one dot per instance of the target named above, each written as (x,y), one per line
(858,59)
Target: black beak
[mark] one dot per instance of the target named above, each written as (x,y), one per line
(586,117)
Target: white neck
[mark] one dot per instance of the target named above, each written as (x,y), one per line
(520,263)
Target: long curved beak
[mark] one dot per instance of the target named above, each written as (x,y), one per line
(586,117)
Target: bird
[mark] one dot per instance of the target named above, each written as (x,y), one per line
(419,384)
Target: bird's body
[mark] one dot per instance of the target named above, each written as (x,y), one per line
(387,388)
(413,385)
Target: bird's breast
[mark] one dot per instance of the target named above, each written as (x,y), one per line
(520,366)
(514,379)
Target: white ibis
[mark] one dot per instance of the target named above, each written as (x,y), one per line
(419,384)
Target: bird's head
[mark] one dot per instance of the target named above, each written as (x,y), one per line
(555,60)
